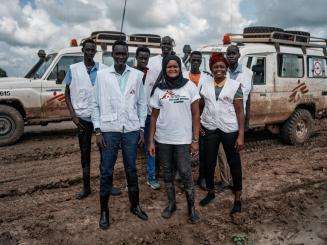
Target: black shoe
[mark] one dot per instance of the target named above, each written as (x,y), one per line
(104,217)
(104,220)
(209,198)
(201,182)
(237,208)
(83,194)
(139,212)
(193,216)
(115,191)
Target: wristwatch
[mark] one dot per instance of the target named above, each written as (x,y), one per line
(195,140)
(97,131)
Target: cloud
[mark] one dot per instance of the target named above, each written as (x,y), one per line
(291,13)
(50,24)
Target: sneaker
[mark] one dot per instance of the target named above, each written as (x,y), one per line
(154,184)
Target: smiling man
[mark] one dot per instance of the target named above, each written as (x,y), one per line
(119,112)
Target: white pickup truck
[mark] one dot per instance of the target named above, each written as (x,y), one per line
(38,98)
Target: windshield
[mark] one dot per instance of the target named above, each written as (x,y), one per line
(42,69)
(109,61)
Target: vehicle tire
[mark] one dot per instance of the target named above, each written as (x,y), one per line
(261,29)
(11,125)
(298,128)
(304,39)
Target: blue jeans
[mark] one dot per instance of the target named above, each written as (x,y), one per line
(128,142)
(150,160)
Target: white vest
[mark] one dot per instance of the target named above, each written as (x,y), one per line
(219,113)
(81,89)
(245,78)
(118,112)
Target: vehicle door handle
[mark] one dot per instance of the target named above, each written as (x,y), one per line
(263,94)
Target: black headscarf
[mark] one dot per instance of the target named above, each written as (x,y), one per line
(164,81)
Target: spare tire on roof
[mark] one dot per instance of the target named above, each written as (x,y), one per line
(262,31)
(305,36)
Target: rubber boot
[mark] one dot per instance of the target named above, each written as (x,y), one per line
(86,191)
(104,216)
(171,208)
(193,216)
(135,205)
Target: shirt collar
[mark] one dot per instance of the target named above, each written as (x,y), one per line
(112,70)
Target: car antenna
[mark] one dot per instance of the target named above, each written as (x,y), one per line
(123,18)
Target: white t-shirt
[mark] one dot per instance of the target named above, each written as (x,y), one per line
(174,124)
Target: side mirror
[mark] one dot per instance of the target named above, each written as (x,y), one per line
(60,76)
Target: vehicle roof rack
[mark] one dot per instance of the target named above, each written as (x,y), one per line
(149,40)
(109,37)
(281,38)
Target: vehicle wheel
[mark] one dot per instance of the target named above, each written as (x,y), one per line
(298,128)
(261,29)
(262,32)
(11,125)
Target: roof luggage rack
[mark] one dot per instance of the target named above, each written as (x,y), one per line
(285,38)
(149,40)
(109,37)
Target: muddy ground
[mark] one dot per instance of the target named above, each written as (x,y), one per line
(285,196)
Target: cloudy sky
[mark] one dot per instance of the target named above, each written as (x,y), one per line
(29,25)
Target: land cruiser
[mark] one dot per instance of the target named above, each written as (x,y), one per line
(289,79)
(38,98)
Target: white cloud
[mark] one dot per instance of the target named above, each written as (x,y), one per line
(50,24)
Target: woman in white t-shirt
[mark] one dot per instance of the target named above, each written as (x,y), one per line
(222,121)
(174,130)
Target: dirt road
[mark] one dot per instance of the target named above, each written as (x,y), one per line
(285,197)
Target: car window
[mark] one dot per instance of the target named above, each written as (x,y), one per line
(42,69)
(109,61)
(317,67)
(290,65)
(63,65)
(258,66)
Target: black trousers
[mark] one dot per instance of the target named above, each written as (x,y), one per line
(85,140)
(169,155)
(212,139)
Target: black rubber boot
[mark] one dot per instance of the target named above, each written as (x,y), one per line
(237,208)
(193,216)
(135,206)
(86,191)
(104,216)
(171,208)
(209,198)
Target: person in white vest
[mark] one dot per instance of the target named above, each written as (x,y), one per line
(223,122)
(154,70)
(198,77)
(80,80)
(242,74)
(118,116)
(174,131)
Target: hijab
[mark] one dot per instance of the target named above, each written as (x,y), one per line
(164,81)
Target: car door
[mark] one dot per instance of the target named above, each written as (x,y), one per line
(53,94)
(260,99)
